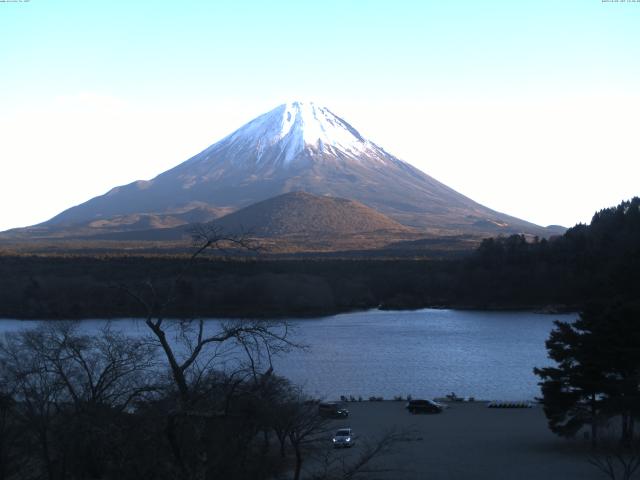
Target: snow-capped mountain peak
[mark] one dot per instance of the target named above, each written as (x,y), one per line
(294,128)
(296,147)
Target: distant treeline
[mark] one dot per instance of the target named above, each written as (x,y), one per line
(587,262)
(81,287)
(600,261)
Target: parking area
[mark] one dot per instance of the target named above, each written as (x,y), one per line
(466,441)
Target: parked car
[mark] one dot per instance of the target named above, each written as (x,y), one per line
(424,406)
(332,410)
(343,438)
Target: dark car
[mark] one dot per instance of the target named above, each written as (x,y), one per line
(332,410)
(424,406)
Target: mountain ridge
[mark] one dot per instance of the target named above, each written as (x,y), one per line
(297,147)
(289,223)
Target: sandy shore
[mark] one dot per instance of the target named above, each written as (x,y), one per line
(468,441)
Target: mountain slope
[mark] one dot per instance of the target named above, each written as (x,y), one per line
(300,213)
(290,223)
(299,147)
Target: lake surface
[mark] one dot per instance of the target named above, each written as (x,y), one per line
(425,353)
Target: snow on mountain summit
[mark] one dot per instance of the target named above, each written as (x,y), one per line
(292,129)
(297,147)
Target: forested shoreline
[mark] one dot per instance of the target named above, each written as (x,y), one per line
(41,287)
(600,260)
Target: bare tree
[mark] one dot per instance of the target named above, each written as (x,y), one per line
(194,349)
(365,465)
(260,340)
(618,460)
(10,436)
(64,383)
(305,427)
(109,369)
(38,391)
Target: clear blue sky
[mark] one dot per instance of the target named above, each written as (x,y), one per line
(530,107)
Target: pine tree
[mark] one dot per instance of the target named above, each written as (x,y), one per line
(597,376)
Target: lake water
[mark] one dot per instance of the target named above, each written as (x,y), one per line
(425,353)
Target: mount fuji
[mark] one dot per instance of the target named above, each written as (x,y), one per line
(294,147)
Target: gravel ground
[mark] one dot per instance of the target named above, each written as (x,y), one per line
(466,441)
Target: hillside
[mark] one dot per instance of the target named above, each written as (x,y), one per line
(301,213)
(294,147)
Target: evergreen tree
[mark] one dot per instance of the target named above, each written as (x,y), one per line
(598,371)
(618,330)
(572,392)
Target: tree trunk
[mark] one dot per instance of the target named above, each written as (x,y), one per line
(44,445)
(170,431)
(296,447)
(266,442)
(627,428)
(594,422)
(176,371)
(3,459)
(282,441)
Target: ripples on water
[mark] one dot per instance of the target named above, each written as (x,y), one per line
(426,353)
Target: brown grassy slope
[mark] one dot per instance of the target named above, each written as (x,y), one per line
(121,227)
(302,213)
